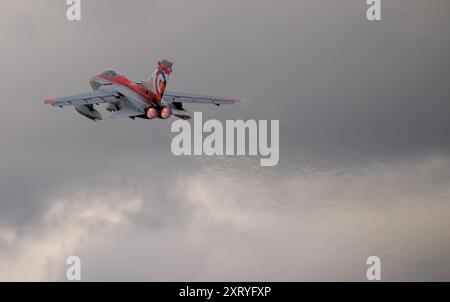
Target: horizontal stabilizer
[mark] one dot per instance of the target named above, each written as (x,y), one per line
(126,112)
(182,116)
(180,97)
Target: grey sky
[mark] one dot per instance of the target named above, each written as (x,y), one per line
(363,110)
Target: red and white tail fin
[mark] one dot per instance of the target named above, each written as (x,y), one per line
(160,77)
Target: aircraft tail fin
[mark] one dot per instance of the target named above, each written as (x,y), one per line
(160,77)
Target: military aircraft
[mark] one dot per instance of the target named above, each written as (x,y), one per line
(126,98)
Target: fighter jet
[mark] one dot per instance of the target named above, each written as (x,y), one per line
(144,99)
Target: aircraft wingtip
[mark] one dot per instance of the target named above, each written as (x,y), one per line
(49,101)
(234,100)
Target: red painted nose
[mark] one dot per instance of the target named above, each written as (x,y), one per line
(152,113)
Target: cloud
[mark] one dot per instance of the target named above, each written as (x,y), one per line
(39,253)
(322,224)
(228,223)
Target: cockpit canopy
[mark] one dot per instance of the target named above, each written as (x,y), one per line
(110,74)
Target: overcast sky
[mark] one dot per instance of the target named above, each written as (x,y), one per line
(364,142)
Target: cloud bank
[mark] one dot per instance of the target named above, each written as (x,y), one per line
(310,224)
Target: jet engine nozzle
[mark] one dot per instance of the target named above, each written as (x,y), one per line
(166,113)
(152,113)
